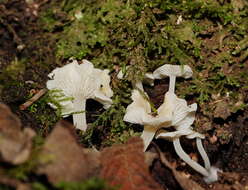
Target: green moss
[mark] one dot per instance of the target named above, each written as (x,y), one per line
(122,137)
(44,114)
(91,184)
(94,183)
(144,35)
(15,68)
(13,72)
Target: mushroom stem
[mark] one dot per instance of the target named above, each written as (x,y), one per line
(138,85)
(203,153)
(172,83)
(185,157)
(79,119)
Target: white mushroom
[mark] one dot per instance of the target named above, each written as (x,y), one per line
(79,82)
(173,112)
(172,71)
(182,119)
(139,112)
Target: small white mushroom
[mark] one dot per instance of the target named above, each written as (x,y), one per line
(182,119)
(139,112)
(173,112)
(172,71)
(142,112)
(80,82)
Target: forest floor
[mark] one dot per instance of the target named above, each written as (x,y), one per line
(135,36)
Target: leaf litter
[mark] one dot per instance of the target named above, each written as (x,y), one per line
(15,143)
(62,159)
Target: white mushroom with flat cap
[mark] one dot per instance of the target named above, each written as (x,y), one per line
(183,117)
(172,71)
(79,82)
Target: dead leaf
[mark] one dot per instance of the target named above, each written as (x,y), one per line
(124,165)
(62,159)
(185,182)
(15,145)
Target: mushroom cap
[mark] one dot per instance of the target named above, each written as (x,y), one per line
(103,85)
(189,133)
(139,112)
(173,70)
(168,105)
(104,92)
(74,80)
(80,82)
(183,116)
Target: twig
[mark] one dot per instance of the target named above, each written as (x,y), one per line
(43,2)
(183,181)
(162,157)
(33,99)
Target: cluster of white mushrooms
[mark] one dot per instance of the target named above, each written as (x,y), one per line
(83,81)
(174,112)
